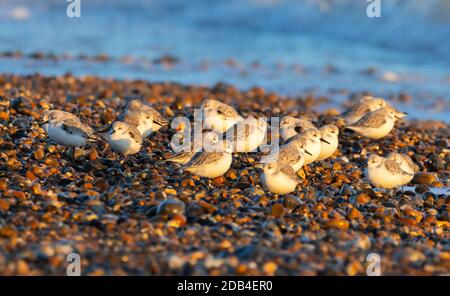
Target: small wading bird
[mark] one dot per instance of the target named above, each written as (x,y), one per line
(208,138)
(386,173)
(279,178)
(219,116)
(291,126)
(124,138)
(366,105)
(145,118)
(247,135)
(377,124)
(67,130)
(311,141)
(330,134)
(212,163)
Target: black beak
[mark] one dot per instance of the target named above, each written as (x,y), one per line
(325,141)
(307,152)
(104,129)
(43,122)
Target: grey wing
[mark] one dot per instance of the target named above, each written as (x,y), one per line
(393,167)
(132,118)
(157,117)
(289,171)
(76,127)
(372,119)
(356,110)
(203,158)
(134,134)
(290,156)
(227,111)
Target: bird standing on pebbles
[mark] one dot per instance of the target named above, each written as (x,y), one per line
(212,162)
(124,138)
(67,130)
(377,124)
(365,105)
(279,178)
(386,173)
(291,126)
(208,138)
(247,135)
(219,116)
(330,134)
(145,118)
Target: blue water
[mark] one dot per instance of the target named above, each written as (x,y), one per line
(281,45)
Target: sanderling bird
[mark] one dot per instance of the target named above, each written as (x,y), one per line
(386,173)
(145,118)
(405,162)
(247,135)
(207,139)
(219,116)
(293,155)
(377,124)
(310,140)
(279,178)
(365,105)
(330,134)
(67,130)
(213,163)
(291,126)
(56,115)
(124,138)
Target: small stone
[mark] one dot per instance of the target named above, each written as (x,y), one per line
(354,213)
(337,223)
(362,199)
(291,202)
(424,178)
(177,221)
(170,207)
(270,268)
(277,210)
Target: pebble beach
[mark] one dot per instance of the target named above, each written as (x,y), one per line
(156,219)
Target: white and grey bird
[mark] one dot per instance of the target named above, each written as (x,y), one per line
(247,135)
(291,126)
(67,130)
(386,173)
(365,105)
(145,118)
(311,141)
(377,124)
(212,163)
(292,155)
(330,134)
(56,115)
(279,178)
(190,148)
(124,138)
(405,162)
(219,116)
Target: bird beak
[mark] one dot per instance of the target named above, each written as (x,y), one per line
(43,122)
(104,129)
(400,115)
(325,141)
(307,152)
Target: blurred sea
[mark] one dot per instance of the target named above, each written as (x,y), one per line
(288,46)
